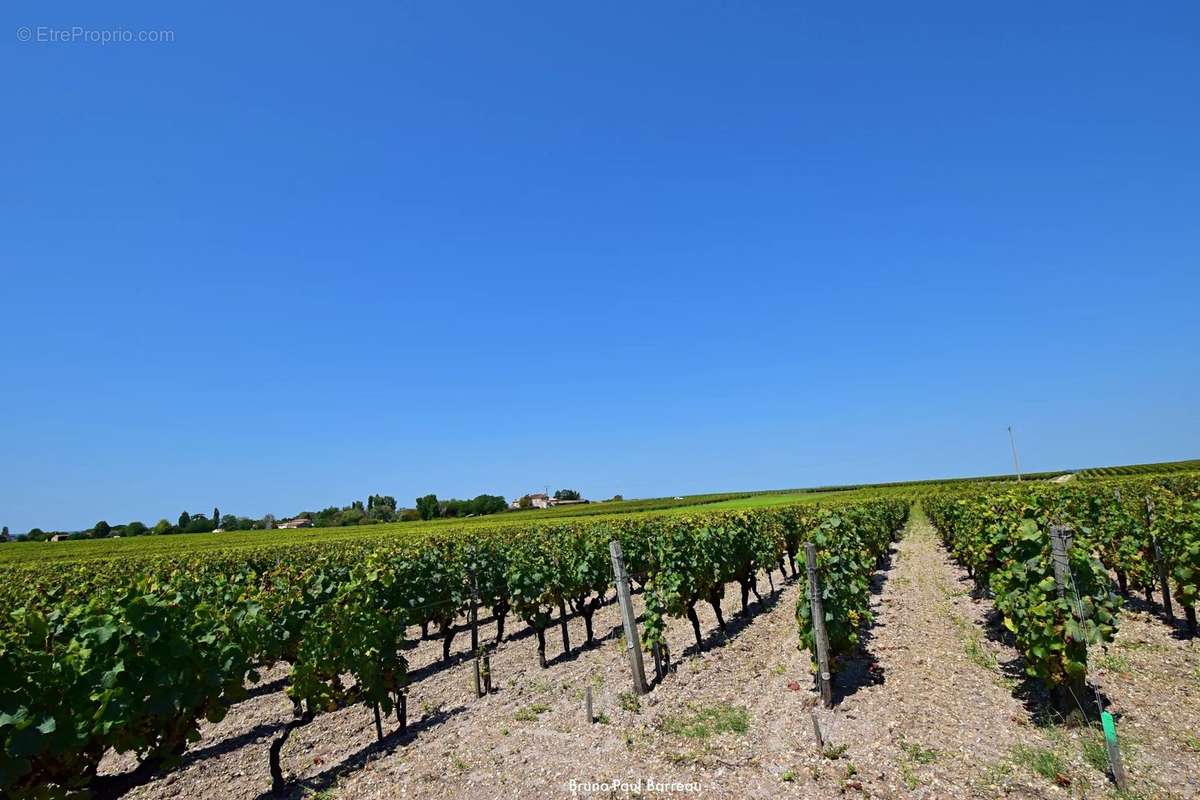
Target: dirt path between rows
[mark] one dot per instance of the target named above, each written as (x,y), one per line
(953,715)
(930,709)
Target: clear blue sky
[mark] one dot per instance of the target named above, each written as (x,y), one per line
(304,254)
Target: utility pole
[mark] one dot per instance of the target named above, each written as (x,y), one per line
(1016,464)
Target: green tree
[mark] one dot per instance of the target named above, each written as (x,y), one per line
(101,529)
(216,517)
(185,519)
(135,528)
(427,506)
(161,527)
(567,494)
(381,501)
(198,524)
(381,513)
(487,504)
(326,517)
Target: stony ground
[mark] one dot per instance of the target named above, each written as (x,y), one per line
(934,706)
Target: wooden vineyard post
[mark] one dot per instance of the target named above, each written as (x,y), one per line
(1122,577)
(817,730)
(474,618)
(587,705)
(1162,579)
(1159,564)
(632,640)
(475,636)
(1072,695)
(1060,546)
(820,636)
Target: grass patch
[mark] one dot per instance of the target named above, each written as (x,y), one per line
(918,754)
(997,775)
(834,751)
(1127,794)
(1040,760)
(634,738)
(704,722)
(978,653)
(1095,753)
(629,702)
(680,759)
(973,644)
(530,713)
(1114,662)
(1136,646)
(788,776)
(914,754)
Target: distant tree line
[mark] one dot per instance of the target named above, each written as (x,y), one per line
(377,509)
(187,523)
(429,507)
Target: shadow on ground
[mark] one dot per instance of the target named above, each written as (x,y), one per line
(361,757)
(861,668)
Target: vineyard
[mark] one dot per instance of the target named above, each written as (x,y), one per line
(136,653)
(1145,532)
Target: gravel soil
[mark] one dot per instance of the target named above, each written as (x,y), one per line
(934,705)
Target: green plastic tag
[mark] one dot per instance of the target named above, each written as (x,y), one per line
(1110,730)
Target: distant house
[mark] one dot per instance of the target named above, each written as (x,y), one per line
(298,522)
(218,530)
(58,537)
(543,500)
(536,500)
